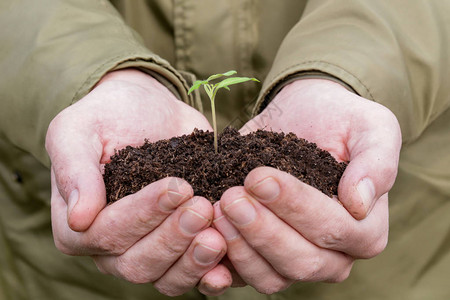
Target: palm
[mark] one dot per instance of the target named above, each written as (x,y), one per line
(123,109)
(350,127)
(118,114)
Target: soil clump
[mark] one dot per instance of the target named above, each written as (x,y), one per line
(192,158)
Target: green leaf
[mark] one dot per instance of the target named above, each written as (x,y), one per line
(196,85)
(234,80)
(215,76)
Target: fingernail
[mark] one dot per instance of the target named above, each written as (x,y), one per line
(267,189)
(170,200)
(73,199)
(205,255)
(191,202)
(192,222)
(366,190)
(241,211)
(228,231)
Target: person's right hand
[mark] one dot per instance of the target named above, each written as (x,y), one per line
(160,234)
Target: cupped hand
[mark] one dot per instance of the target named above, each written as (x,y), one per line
(351,128)
(280,227)
(160,234)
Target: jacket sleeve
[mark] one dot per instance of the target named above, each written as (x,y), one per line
(393,52)
(53,52)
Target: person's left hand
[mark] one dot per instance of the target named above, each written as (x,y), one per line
(280,230)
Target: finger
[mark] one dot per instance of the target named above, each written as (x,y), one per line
(216,281)
(192,119)
(374,147)
(148,259)
(75,157)
(287,251)
(123,223)
(204,253)
(317,217)
(253,124)
(252,268)
(237,280)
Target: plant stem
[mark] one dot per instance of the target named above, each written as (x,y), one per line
(213,111)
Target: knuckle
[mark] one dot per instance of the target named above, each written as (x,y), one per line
(137,279)
(133,273)
(308,269)
(123,269)
(258,243)
(166,290)
(272,286)
(104,244)
(170,247)
(107,242)
(341,276)
(62,246)
(376,247)
(184,281)
(263,239)
(144,216)
(240,257)
(332,239)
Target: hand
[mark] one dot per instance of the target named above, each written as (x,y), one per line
(160,234)
(280,227)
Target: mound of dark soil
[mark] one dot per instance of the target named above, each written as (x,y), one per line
(192,157)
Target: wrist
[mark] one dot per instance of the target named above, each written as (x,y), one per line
(130,75)
(310,88)
(309,75)
(137,78)
(319,82)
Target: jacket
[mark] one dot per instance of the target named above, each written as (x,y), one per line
(52,53)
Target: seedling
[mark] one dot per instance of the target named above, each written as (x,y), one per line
(211,91)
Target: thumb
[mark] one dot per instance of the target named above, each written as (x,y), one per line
(77,174)
(370,174)
(363,182)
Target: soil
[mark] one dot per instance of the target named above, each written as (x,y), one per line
(192,157)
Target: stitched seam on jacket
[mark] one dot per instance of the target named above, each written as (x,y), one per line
(182,36)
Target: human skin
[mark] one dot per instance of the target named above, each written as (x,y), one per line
(140,237)
(280,230)
(159,235)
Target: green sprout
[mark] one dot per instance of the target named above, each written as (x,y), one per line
(211,90)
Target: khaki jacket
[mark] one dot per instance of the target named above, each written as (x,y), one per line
(393,52)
